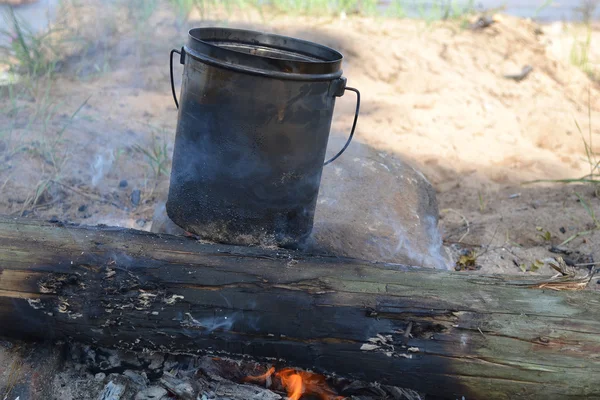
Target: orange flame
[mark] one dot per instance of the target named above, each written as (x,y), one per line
(292,382)
(297,383)
(260,378)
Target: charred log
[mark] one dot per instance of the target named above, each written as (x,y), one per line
(450,334)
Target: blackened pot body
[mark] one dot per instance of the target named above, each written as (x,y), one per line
(254,118)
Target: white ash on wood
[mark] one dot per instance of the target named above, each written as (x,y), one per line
(44,371)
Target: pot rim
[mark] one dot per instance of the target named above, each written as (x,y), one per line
(264,54)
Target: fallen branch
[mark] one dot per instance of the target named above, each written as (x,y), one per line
(444,333)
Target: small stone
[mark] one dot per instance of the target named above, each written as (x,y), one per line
(112,391)
(151,393)
(123,183)
(114,360)
(156,361)
(100,376)
(82,208)
(136,378)
(104,365)
(170,364)
(141,222)
(135,197)
(89,354)
(130,358)
(184,389)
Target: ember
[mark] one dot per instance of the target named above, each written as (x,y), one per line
(298,383)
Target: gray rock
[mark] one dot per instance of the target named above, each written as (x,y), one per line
(157,360)
(373,206)
(136,196)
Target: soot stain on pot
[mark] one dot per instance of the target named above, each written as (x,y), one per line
(249,149)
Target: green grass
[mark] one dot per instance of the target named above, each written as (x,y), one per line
(139,12)
(156,155)
(482,201)
(319,7)
(49,147)
(28,52)
(580,50)
(446,10)
(579,55)
(183,8)
(27,103)
(396,9)
(542,7)
(589,210)
(592,159)
(430,11)
(29,106)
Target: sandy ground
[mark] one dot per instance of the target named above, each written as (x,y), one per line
(434,94)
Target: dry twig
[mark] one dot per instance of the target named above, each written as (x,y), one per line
(567,278)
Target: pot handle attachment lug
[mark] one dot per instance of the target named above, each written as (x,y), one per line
(181,61)
(339,88)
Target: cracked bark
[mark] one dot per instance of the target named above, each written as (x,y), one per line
(473,336)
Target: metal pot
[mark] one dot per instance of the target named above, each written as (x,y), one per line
(254,117)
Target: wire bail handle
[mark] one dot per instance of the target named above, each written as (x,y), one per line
(338,87)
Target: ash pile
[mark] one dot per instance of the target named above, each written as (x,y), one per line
(70,371)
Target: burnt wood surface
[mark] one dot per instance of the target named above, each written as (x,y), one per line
(445,333)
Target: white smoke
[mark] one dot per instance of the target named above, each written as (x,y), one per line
(101,165)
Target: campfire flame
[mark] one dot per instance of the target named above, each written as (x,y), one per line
(298,383)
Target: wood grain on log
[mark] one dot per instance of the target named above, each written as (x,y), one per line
(450,334)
